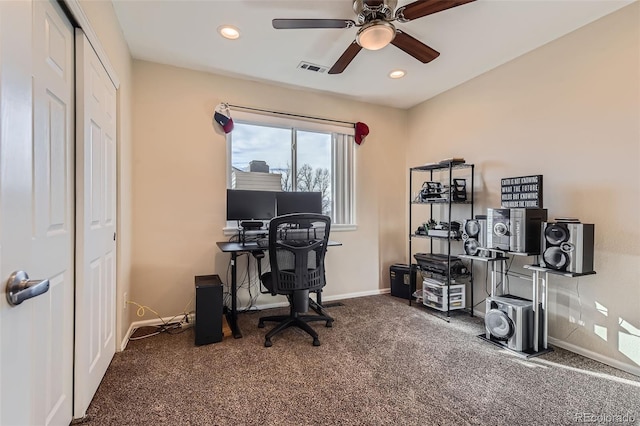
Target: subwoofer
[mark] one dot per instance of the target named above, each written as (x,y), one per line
(567,246)
(498,229)
(509,322)
(208,327)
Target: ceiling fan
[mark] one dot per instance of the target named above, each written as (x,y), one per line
(375,17)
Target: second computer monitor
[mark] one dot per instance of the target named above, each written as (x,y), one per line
(298,202)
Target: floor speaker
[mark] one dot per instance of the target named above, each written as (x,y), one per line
(208,327)
(509,321)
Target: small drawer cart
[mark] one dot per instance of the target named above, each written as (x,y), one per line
(443,297)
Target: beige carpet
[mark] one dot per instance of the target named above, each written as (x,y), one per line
(382,363)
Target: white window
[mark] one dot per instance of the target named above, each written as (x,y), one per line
(283,154)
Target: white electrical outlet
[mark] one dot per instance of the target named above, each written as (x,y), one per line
(124,301)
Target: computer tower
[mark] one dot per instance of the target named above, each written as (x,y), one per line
(208,327)
(526,224)
(403,280)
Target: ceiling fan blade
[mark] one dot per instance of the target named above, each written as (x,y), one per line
(421,8)
(346,58)
(414,47)
(286,24)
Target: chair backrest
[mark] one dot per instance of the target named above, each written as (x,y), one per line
(297,246)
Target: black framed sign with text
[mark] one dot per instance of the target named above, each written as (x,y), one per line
(522,191)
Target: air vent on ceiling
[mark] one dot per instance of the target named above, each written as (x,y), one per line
(312,67)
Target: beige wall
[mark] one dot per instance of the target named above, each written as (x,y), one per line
(571,112)
(106,26)
(179,184)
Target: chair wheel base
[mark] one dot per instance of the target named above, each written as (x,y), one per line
(294,320)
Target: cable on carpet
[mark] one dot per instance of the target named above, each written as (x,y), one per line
(166,326)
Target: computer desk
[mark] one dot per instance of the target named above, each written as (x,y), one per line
(236,248)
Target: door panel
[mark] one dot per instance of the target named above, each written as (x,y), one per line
(57,165)
(36,211)
(96,246)
(53,130)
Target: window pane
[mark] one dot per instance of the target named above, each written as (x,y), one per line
(314,165)
(263,157)
(260,157)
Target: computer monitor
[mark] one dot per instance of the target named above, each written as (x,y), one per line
(243,204)
(298,202)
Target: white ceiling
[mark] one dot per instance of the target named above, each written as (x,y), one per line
(471,39)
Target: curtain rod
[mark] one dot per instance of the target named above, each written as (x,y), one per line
(289,114)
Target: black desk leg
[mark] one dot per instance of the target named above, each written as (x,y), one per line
(232,317)
(318,306)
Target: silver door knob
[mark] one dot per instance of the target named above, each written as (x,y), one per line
(21,288)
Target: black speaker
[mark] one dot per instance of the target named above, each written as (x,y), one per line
(403,280)
(208,328)
(567,246)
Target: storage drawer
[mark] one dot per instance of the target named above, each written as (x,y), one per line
(438,296)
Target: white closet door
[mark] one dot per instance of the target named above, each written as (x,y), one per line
(96,223)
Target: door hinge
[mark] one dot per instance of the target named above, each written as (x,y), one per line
(114,236)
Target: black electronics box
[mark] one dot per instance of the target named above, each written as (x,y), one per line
(403,280)
(208,327)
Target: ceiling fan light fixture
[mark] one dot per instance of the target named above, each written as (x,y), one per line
(229,32)
(375,35)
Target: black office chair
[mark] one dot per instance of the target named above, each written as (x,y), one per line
(297,246)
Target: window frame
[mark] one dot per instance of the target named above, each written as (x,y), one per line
(343,161)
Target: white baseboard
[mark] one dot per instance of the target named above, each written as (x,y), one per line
(358,294)
(156,321)
(596,356)
(125,340)
(329,298)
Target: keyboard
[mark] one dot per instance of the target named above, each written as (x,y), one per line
(262,242)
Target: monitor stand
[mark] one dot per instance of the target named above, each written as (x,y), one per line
(252,228)
(251,224)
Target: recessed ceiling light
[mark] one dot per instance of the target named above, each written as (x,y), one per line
(397,74)
(229,32)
